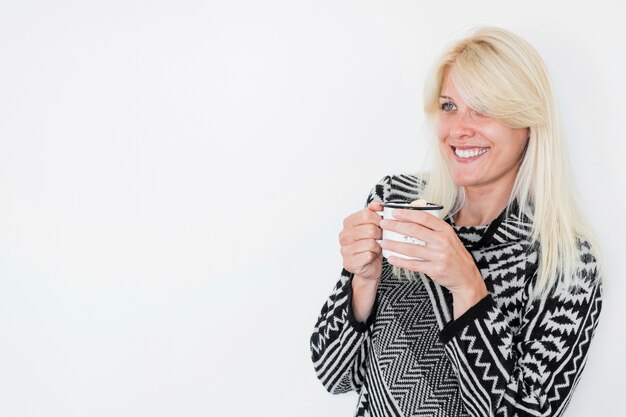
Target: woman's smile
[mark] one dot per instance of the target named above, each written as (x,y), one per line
(467,154)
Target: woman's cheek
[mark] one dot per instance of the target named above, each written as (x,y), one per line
(442,131)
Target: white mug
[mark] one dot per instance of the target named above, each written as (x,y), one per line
(391,235)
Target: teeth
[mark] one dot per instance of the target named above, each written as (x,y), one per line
(469,153)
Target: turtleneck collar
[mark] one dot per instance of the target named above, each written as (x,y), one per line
(507,227)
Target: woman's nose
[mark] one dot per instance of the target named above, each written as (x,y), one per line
(462,125)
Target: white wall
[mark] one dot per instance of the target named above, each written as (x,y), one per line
(173,177)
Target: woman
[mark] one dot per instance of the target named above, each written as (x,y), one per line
(498,317)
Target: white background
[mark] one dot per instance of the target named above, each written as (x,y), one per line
(174,174)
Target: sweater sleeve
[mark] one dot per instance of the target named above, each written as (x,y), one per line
(339,343)
(533,372)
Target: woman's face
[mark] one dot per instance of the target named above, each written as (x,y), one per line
(480,151)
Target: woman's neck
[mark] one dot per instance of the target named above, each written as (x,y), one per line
(481,206)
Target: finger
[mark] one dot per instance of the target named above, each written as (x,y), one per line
(422,217)
(351,234)
(363,231)
(409,228)
(410,264)
(357,262)
(375,204)
(361,246)
(409,249)
(365,216)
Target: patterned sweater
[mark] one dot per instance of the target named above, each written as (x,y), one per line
(505,356)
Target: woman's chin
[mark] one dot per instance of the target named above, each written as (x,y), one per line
(464,180)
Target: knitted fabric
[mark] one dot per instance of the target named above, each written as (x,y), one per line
(505,356)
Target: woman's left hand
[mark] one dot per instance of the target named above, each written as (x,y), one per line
(446,261)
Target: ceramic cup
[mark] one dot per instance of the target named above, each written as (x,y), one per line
(391,235)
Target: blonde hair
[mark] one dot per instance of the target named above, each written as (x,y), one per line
(500,75)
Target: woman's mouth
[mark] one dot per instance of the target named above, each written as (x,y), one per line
(468,154)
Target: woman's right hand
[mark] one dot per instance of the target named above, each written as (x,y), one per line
(362,255)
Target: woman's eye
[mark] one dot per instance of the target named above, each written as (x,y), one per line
(447,106)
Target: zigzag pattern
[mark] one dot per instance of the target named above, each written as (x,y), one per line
(580,358)
(513,358)
(410,352)
(330,325)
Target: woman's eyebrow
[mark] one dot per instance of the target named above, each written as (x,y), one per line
(446,97)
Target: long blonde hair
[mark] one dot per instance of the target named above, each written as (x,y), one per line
(499,74)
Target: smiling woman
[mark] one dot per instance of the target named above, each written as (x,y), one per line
(495,313)
(500,97)
(483,153)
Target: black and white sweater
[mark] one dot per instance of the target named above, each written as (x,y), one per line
(505,356)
